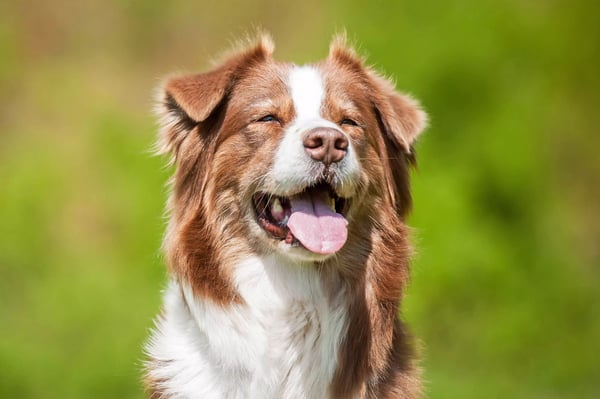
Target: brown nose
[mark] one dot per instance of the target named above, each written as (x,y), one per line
(325,145)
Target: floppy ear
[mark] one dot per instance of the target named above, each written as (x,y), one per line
(401,115)
(402,121)
(187,101)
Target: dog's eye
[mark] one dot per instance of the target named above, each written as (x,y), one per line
(269,118)
(349,122)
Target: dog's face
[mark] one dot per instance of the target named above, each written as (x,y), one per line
(273,157)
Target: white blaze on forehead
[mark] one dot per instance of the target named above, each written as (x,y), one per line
(306,87)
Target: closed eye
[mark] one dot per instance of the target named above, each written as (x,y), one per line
(349,122)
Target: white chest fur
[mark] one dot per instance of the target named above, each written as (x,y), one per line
(281,343)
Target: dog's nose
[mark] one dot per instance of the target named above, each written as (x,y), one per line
(325,145)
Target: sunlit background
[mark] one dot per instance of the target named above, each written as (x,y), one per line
(505,295)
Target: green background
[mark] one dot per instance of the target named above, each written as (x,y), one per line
(505,295)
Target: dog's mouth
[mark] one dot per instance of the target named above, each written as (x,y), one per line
(313,218)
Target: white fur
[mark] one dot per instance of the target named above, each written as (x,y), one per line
(293,169)
(281,343)
(306,87)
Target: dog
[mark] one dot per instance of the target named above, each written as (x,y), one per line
(286,245)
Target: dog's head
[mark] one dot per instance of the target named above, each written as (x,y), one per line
(274,157)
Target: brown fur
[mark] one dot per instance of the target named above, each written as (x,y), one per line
(220,156)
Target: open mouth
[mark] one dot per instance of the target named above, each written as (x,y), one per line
(313,218)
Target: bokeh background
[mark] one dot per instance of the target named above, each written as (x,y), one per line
(505,294)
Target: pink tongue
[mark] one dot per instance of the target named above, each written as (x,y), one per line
(315,225)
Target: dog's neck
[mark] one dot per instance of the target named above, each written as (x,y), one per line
(286,281)
(281,341)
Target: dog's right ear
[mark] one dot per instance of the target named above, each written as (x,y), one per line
(187,101)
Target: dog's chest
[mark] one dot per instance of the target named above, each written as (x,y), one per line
(282,342)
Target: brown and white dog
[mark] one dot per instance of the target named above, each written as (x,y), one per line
(286,246)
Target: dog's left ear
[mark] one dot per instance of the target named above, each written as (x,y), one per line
(402,121)
(402,117)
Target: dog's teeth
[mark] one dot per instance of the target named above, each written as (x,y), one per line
(332,204)
(277,210)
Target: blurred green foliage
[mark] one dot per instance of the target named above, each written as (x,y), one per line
(504,296)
